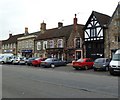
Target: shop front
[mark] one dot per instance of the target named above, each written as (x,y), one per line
(56,53)
(27,53)
(74,54)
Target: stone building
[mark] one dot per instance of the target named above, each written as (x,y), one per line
(112,38)
(75,48)
(0,46)
(60,42)
(10,45)
(26,43)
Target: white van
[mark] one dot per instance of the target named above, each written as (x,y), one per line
(5,57)
(115,63)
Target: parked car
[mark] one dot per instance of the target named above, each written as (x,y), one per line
(5,57)
(29,61)
(19,60)
(115,63)
(84,63)
(53,62)
(101,64)
(10,59)
(23,61)
(37,61)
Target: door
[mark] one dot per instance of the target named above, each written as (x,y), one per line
(78,54)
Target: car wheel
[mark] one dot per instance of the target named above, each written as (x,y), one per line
(52,66)
(76,68)
(106,69)
(39,65)
(112,73)
(86,67)
(2,62)
(95,69)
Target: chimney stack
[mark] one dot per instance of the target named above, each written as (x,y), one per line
(43,27)
(75,23)
(26,30)
(60,24)
(10,35)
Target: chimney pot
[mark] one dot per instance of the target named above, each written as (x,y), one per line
(75,23)
(60,24)
(43,27)
(10,35)
(26,29)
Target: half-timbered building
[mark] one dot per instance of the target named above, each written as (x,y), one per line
(94,32)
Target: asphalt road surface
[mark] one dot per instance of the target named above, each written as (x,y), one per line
(28,82)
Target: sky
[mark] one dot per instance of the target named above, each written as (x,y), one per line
(15,15)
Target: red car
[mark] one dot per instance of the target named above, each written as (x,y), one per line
(84,63)
(37,61)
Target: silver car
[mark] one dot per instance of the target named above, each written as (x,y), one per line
(53,62)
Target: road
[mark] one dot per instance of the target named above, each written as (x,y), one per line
(29,82)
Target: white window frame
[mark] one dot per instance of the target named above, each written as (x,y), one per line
(3,47)
(60,43)
(51,43)
(44,45)
(38,45)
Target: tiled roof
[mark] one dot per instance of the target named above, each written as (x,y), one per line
(64,31)
(117,9)
(12,39)
(102,18)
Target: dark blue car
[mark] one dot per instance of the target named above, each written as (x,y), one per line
(101,64)
(53,62)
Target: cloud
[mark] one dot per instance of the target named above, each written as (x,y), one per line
(17,14)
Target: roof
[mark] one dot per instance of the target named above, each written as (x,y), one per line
(64,31)
(103,19)
(117,8)
(13,38)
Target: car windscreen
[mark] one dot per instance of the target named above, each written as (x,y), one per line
(100,60)
(116,57)
(1,57)
(32,58)
(49,59)
(80,60)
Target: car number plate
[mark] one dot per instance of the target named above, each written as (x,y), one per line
(116,70)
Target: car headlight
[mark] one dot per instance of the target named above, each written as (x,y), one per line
(104,65)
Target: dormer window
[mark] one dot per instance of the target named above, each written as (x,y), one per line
(51,44)
(60,43)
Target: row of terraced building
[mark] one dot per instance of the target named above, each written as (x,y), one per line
(99,37)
